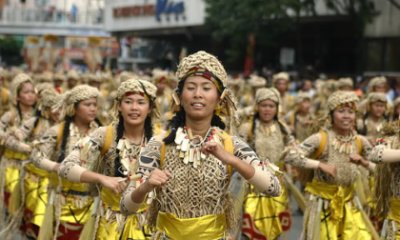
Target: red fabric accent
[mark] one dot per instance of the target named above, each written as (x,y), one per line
(131,93)
(28,228)
(7,196)
(286,220)
(69,234)
(250,230)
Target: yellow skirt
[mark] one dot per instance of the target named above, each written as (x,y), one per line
(210,227)
(11,172)
(339,218)
(108,230)
(393,218)
(265,216)
(36,196)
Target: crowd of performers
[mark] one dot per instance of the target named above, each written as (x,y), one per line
(195,155)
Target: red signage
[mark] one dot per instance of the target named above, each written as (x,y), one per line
(134,11)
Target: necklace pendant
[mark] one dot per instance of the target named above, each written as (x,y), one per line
(197,154)
(185,145)
(191,153)
(179,136)
(186,159)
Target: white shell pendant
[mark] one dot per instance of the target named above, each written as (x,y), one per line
(179,138)
(185,145)
(186,158)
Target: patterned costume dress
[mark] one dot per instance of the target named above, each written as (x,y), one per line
(91,152)
(72,201)
(195,204)
(11,161)
(266,217)
(333,210)
(386,155)
(35,180)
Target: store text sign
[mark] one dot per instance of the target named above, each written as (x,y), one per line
(167,7)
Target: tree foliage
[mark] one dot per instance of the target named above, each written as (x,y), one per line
(231,21)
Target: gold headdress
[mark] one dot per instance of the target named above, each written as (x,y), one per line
(66,104)
(301,97)
(136,86)
(47,99)
(376,97)
(72,74)
(280,76)
(208,66)
(375,82)
(268,93)
(16,83)
(257,81)
(341,97)
(345,82)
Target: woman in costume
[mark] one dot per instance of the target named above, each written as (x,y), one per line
(111,154)
(334,210)
(301,118)
(23,108)
(268,136)
(189,170)
(34,181)
(70,203)
(387,192)
(375,116)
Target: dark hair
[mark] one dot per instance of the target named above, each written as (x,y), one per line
(253,124)
(65,135)
(38,115)
(120,132)
(19,111)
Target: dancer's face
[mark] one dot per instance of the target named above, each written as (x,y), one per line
(27,95)
(199,98)
(267,110)
(134,108)
(344,118)
(86,110)
(378,109)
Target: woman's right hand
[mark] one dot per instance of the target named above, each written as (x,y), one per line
(157,178)
(328,169)
(116,184)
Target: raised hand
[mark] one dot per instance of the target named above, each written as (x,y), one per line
(328,169)
(116,184)
(157,178)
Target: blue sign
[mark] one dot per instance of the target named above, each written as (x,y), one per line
(170,7)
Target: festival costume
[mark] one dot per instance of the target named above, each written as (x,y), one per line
(266,217)
(30,195)
(287,101)
(98,151)
(194,203)
(69,204)
(11,162)
(386,155)
(298,123)
(334,210)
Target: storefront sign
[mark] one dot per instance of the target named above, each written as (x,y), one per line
(162,7)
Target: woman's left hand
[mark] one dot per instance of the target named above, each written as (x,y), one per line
(217,150)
